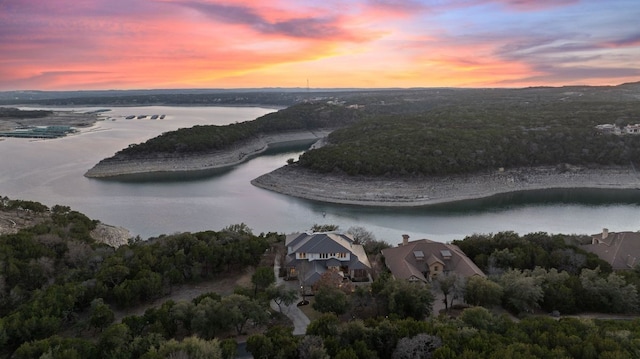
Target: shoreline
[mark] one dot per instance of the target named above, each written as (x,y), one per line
(57,118)
(217,160)
(415,192)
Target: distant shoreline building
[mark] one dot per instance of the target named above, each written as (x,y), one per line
(608,128)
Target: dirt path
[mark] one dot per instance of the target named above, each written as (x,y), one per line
(11,221)
(223,286)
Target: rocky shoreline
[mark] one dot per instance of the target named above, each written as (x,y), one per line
(296,181)
(56,118)
(111,167)
(299,182)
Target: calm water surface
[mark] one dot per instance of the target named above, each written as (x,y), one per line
(52,171)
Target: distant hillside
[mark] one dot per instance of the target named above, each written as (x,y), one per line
(10,112)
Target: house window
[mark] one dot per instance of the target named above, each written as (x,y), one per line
(302,255)
(324,255)
(436,268)
(342,255)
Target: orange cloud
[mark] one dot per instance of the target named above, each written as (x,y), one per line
(65,44)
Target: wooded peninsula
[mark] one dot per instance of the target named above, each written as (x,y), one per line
(485,141)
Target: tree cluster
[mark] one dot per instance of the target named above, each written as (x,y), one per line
(53,274)
(477,333)
(475,137)
(190,329)
(541,271)
(12,112)
(210,138)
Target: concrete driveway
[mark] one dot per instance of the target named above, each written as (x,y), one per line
(299,319)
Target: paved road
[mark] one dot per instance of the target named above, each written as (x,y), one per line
(299,319)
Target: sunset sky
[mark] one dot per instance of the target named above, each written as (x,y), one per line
(135,44)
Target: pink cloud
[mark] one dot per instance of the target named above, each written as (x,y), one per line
(532,5)
(213,43)
(275,22)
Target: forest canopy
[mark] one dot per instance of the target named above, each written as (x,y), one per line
(466,138)
(424,132)
(210,138)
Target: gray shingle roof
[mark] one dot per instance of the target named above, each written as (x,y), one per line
(328,242)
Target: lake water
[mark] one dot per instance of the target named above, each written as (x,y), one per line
(51,172)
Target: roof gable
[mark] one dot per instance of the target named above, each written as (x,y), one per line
(328,242)
(621,249)
(403,262)
(323,243)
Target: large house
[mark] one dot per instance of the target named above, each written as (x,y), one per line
(309,255)
(423,260)
(621,250)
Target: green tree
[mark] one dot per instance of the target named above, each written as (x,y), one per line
(56,347)
(281,295)
(182,313)
(312,347)
(346,353)
(114,342)
(229,348)
(361,235)
(403,298)
(324,227)
(609,293)
(260,346)
(240,228)
(239,309)
(450,285)
(522,292)
(209,318)
(191,348)
(482,291)
(101,315)
(262,278)
(276,342)
(326,326)
(417,347)
(477,317)
(328,299)
(558,296)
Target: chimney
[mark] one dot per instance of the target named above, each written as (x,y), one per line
(605,233)
(405,239)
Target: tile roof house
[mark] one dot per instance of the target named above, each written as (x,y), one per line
(621,250)
(423,259)
(309,255)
